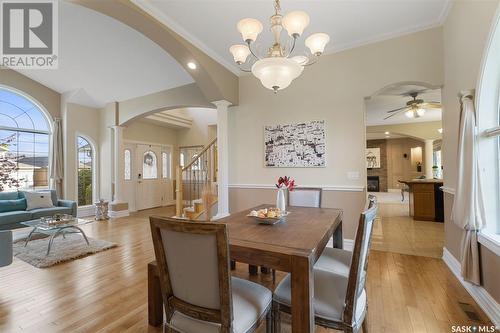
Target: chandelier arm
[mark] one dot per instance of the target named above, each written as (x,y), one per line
(251,51)
(293,47)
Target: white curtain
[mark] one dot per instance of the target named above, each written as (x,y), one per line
(468,209)
(56,157)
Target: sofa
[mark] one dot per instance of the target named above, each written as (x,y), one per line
(13,209)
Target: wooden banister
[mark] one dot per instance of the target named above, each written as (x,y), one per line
(191,179)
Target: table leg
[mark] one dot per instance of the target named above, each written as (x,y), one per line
(155,301)
(29,236)
(302,295)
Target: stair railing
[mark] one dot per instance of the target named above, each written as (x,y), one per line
(191,179)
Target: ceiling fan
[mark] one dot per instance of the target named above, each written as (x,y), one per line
(415,108)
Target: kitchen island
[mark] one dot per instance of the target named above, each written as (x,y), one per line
(426,199)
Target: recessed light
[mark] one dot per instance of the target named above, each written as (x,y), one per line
(387,133)
(440,130)
(191,65)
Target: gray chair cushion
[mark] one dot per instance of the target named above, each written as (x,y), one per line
(329,296)
(335,260)
(14,217)
(250,300)
(42,212)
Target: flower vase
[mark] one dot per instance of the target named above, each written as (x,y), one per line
(280,200)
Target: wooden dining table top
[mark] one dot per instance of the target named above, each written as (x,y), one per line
(303,230)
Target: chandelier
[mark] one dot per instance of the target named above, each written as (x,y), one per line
(278,68)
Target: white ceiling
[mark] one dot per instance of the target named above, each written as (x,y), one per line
(391,98)
(211,24)
(102,60)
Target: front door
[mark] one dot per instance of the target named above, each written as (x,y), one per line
(149,192)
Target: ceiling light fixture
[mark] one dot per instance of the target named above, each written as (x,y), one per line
(440,130)
(277,69)
(191,65)
(415,112)
(387,133)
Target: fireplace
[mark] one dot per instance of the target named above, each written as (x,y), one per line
(373,184)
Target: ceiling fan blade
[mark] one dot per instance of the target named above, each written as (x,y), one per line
(395,113)
(430,105)
(395,110)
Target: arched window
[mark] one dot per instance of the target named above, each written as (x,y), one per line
(488,116)
(85,172)
(127,156)
(149,165)
(24,143)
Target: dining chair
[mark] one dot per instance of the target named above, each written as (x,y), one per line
(305,197)
(340,302)
(198,292)
(339,260)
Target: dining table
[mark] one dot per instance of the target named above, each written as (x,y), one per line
(292,245)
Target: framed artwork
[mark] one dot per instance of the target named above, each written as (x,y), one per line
(300,145)
(373,158)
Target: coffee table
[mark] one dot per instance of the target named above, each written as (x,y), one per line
(41,227)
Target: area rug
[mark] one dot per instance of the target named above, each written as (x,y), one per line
(63,249)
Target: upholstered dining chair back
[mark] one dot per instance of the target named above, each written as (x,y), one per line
(359,265)
(305,197)
(372,201)
(193,264)
(5,248)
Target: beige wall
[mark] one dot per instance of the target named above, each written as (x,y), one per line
(399,167)
(49,98)
(78,120)
(332,90)
(199,133)
(465,34)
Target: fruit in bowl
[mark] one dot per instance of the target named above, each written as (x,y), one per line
(266,213)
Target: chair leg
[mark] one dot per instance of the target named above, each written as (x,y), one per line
(269,321)
(233,265)
(274,276)
(253,270)
(276,318)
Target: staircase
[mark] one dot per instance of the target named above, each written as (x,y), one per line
(196,185)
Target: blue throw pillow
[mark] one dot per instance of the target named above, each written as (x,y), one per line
(12,205)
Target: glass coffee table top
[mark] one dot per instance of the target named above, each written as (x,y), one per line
(41,225)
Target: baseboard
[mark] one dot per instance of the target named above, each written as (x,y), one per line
(487,303)
(117,214)
(85,211)
(348,244)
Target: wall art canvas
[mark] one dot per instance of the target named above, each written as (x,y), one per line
(299,145)
(373,158)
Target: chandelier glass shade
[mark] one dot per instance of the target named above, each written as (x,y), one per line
(415,113)
(278,67)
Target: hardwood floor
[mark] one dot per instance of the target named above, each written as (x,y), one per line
(107,292)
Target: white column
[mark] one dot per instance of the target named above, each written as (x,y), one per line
(223,159)
(428,161)
(119,207)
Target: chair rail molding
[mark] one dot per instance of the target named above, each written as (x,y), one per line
(324,187)
(487,303)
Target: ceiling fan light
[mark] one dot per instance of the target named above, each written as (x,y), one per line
(295,22)
(420,112)
(240,53)
(249,29)
(409,114)
(317,42)
(276,73)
